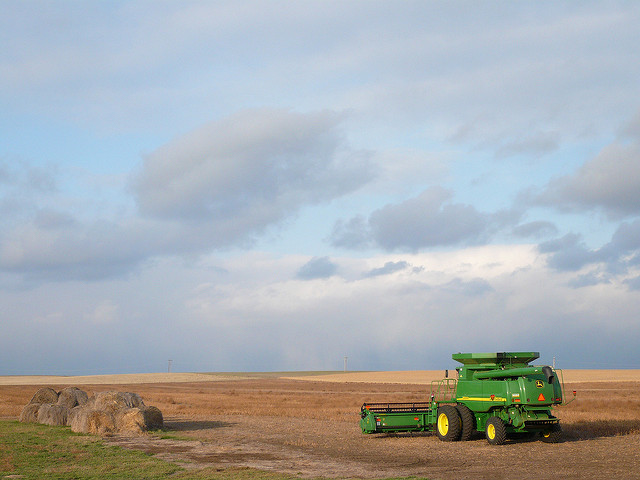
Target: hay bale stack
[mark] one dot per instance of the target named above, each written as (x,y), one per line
(103,414)
(49,414)
(29,413)
(45,395)
(71,397)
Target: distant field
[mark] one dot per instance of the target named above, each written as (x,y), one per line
(418,377)
(133,378)
(421,377)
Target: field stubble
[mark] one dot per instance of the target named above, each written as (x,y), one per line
(310,428)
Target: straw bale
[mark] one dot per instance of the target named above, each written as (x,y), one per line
(29,413)
(152,418)
(101,422)
(111,401)
(49,414)
(130,420)
(45,395)
(71,397)
(78,419)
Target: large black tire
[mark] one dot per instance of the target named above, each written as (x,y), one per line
(554,435)
(495,431)
(448,423)
(468,422)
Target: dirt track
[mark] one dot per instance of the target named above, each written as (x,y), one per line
(311,429)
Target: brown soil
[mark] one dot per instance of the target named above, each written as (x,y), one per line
(310,428)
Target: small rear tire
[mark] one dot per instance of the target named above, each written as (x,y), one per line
(468,422)
(554,435)
(448,423)
(495,431)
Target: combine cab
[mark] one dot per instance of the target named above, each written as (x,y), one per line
(495,393)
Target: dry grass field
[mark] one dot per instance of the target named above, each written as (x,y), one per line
(308,426)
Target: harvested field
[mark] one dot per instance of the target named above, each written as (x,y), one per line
(125,379)
(310,428)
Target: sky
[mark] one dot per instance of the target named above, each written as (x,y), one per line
(275,186)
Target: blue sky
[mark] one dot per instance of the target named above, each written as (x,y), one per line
(275,185)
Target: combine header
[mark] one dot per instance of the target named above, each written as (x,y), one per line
(495,393)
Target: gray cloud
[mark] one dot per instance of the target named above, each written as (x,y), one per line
(352,233)
(62,249)
(423,221)
(220,185)
(250,171)
(388,268)
(589,279)
(608,182)
(538,144)
(23,187)
(570,253)
(317,267)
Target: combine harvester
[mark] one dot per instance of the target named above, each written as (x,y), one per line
(495,393)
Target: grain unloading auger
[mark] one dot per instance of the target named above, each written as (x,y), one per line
(495,393)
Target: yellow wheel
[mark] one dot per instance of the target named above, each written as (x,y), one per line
(495,431)
(554,435)
(491,432)
(443,424)
(448,423)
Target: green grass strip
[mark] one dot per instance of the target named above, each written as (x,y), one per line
(32,452)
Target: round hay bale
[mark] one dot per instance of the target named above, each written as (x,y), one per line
(71,397)
(152,418)
(45,395)
(130,420)
(133,400)
(110,401)
(29,413)
(49,414)
(101,422)
(78,419)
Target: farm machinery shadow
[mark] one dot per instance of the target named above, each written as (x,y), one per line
(590,430)
(571,432)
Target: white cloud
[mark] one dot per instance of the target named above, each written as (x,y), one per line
(251,312)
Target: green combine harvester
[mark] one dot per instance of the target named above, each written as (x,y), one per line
(495,393)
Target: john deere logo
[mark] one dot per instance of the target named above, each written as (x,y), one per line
(539,383)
